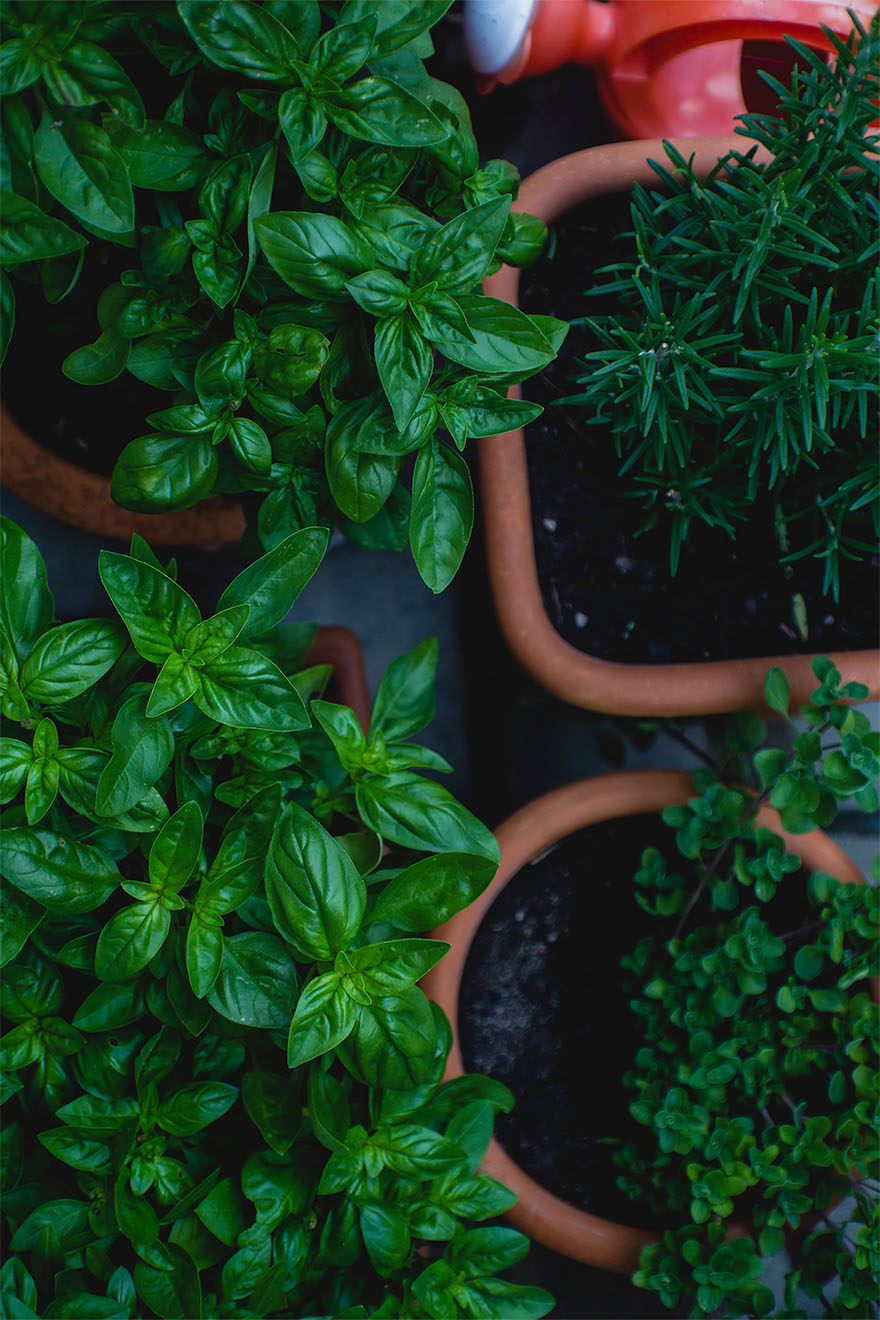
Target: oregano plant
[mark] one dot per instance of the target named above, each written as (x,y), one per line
(299,224)
(756,1074)
(221,1084)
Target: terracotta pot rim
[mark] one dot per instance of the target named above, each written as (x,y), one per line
(524,836)
(82,499)
(615,687)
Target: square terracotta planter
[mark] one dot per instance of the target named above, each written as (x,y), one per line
(661,690)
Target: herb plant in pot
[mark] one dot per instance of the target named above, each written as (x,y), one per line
(222,1089)
(284,247)
(708,490)
(749,942)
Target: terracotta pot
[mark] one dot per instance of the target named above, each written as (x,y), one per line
(341,648)
(699,688)
(524,836)
(82,499)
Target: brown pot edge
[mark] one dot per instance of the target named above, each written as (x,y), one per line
(82,499)
(696,688)
(548,1219)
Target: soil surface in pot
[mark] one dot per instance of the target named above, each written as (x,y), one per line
(607,589)
(543,1009)
(88,425)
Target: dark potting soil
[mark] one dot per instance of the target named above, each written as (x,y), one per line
(88,425)
(543,1009)
(608,590)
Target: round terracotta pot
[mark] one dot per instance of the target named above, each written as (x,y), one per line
(525,835)
(82,499)
(699,688)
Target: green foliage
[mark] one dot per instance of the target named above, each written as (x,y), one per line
(757,1073)
(738,357)
(302,226)
(222,1087)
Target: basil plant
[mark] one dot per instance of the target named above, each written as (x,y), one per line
(222,1086)
(298,225)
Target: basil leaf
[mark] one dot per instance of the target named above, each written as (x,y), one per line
(69,659)
(131,939)
(204,953)
(404,363)
(395,965)
(271,585)
(257,985)
(7,311)
(156,611)
(386,1237)
(194,1106)
(60,874)
(176,849)
(393,1043)
(504,340)
(20,916)
(418,813)
(405,699)
(342,728)
(79,1152)
(315,891)
(272,1104)
(241,37)
(243,688)
(143,749)
(110,1006)
(325,1016)
(315,254)
(28,234)
(157,472)
(432,890)
(78,165)
(461,253)
(378,110)
(442,516)
(170,1293)
(360,483)
(161,156)
(399,21)
(26,605)
(100,362)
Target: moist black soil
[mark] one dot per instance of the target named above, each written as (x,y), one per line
(88,425)
(543,1009)
(607,589)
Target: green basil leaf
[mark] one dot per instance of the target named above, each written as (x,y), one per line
(26,605)
(270,586)
(315,254)
(160,472)
(395,965)
(7,312)
(461,253)
(178,680)
(111,1006)
(404,363)
(59,873)
(432,890)
(162,156)
(66,1217)
(386,1237)
(241,37)
(79,1152)
(257,985)
(222,1210)
(344,49)
(360,482)
(419,813)
(291,358)
(143,749)
(272,1104)
(405,699)
(28,234)
(78,165)
(88,75)
(204,954)
(399,20)
(100,362)
(175,1292)
(442,516)
(69,659)
(245,689)
(393,1043)
(325,1016)
(504,340)
(176,849)
(315,891)
(41,788)
(342,728)
(482,1251)
(378,110)
(19,916)
(194,1106)
(156,611)
(130,940)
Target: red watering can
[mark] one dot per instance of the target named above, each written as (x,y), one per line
(665,68)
